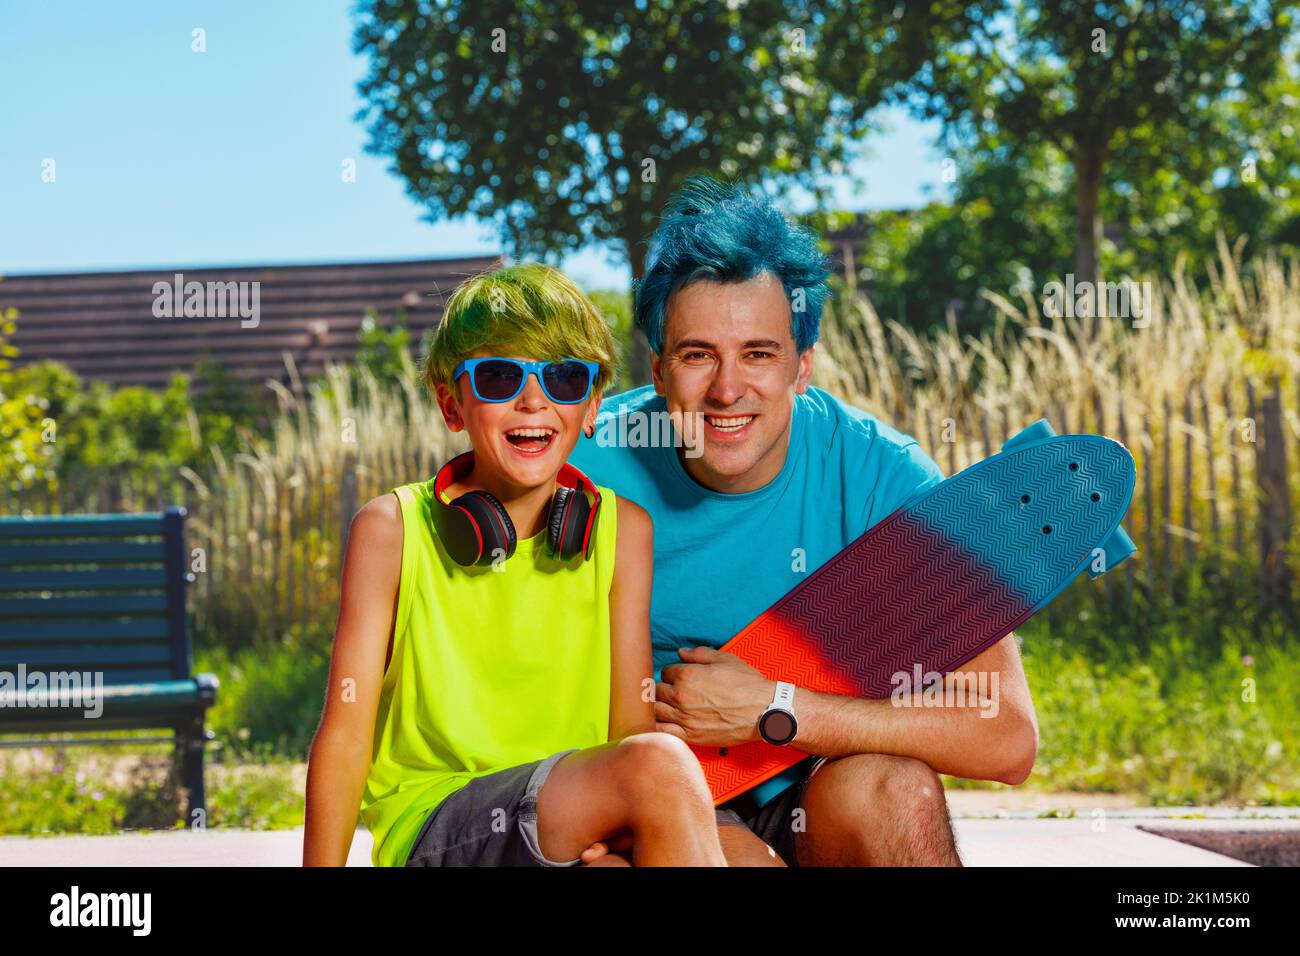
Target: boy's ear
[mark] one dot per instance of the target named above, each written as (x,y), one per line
(450,408)
(593,408)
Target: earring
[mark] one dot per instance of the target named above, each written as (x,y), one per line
(589,431)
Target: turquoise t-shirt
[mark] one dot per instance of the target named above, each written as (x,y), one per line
(722,559)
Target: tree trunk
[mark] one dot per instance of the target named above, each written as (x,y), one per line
(1087,243)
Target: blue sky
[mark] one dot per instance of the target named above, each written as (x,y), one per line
(167,157)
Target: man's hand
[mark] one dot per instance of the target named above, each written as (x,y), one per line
(712,698)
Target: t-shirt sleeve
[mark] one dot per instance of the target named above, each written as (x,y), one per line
(906,471)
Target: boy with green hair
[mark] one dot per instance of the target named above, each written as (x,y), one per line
(490,695)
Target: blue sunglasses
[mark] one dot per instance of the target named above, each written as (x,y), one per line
(500,379)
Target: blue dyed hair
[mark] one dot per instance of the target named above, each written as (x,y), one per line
(720,232)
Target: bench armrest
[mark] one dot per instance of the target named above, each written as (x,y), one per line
(208,684)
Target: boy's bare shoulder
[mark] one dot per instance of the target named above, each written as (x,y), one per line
(379,520)
(634,522)
(385,504)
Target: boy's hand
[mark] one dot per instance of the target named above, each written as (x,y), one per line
(618,843)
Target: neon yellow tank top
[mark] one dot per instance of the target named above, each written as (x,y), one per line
(490,669)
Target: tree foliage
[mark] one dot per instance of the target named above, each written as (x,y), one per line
(1132,92)
(568,122)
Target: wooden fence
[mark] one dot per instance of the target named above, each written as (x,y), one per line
(1214,488)
(1214,493)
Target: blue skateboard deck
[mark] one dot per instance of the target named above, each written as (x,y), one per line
(954,570)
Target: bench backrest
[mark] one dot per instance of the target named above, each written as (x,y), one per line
(95,593)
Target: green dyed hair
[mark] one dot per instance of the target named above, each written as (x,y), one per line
(527,309)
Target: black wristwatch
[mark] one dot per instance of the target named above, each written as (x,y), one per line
(777,725)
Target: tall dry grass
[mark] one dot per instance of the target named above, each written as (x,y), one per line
(271,520)
(1210,340)
(1185,392)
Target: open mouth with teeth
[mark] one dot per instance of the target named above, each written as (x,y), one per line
(531,441)
(728,424)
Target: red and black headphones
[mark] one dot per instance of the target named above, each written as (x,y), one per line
(476,525)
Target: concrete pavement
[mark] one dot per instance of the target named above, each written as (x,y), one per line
(1118,837)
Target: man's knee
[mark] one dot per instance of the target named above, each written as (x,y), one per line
(877,809)
(869,783)
(909,782)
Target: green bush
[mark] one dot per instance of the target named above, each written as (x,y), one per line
(616,307)
(380,349)
(1171,719)
(102,790)
(270,698)
(25,457)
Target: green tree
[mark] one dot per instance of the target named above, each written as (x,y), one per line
(1096,78)
(1172,190)
(568,122)
(1004,229)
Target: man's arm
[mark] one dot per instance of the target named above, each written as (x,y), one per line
(630,703)
(715,699)
(989,732)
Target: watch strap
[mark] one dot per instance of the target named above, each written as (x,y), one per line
(784,696)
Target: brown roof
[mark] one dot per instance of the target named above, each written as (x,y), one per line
(104,324)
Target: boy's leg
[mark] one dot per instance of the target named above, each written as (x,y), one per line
(742,846)
(650,784)
(765,836)
(610,859)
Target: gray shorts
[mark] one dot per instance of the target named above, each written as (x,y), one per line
(774,822)
(491,821)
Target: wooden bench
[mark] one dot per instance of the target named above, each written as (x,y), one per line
(86,595)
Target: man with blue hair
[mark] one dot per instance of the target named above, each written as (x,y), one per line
(782,476)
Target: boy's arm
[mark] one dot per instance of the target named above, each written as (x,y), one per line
(631,697)
(340,751)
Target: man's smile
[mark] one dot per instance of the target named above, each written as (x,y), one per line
(729,427)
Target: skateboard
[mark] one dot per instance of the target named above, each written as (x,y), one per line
(955,569)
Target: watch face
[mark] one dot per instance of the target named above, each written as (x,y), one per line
(777,727)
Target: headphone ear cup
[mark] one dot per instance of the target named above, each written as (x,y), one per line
(592,518)
(457,531)
(555,524)
(568,522)
(495,526)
